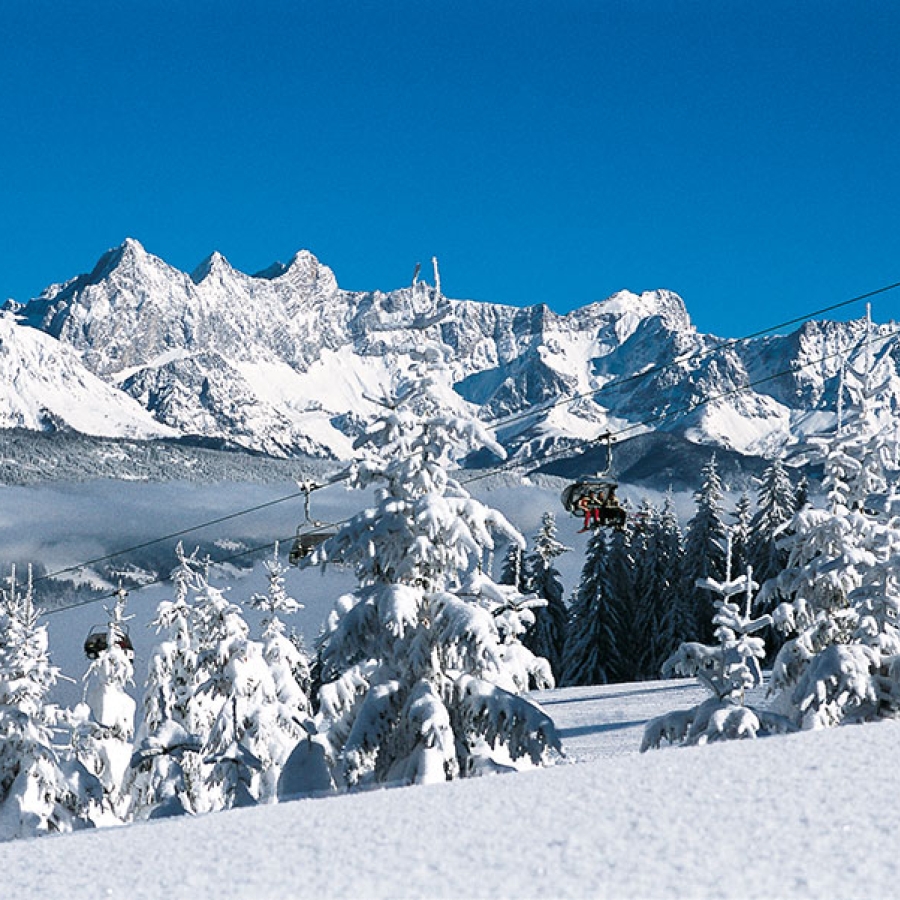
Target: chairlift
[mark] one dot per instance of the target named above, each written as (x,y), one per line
(97,641)
(307,541)
(304,544)
(594,497)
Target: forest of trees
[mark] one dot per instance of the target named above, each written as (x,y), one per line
(638,597)
(419,674)
(422,672)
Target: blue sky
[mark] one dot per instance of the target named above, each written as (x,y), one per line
(744,154)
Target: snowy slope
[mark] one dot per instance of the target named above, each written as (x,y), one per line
(285,361)
(797,816)
(46,387)
(807,815)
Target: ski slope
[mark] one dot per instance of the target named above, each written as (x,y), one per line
(808,815)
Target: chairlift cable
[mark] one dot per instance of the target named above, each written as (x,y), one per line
(162,579)
(167,537)
(310,487)
(681,411)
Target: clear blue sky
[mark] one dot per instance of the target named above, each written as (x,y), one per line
(744,154)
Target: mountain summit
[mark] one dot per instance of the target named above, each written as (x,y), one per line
(286,362)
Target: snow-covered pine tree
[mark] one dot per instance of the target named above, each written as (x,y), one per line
(290,670)
(741,532)
(587,651)
(776,504)
(222,712)
(513,570)
(704,556)
(414,683)
(546,638)
(665,566)
(801,493)
(165,746)
(104,722)
(838,587)
(233,704)
(284,650)
(727,670)
(43,789)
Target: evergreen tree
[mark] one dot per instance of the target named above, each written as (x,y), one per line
(726,669)
(42,790)
(104,722)
(741,533)
(546,638)
(645,583)
(704,555)
(416,681)
(620,623)
(665,564)
(232,704)
(513,571)
(222,712)
(165,746)
(801,494)
(587,651)
(290,670)
(626,646)
(776,504)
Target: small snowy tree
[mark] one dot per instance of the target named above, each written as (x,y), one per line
(284,653)
(288,720)
(234,701)
(513,570)
(104,722)
(741,531)
(42,788)
(222,712)
(164,742)
(726,669)
(416,684)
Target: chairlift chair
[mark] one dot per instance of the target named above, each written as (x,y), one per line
(97,641)
(594,497)
(307,541)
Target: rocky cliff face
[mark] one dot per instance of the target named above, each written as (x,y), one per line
(287,362)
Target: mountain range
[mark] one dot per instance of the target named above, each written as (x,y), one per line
(286,363)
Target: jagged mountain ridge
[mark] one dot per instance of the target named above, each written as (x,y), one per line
(286,362)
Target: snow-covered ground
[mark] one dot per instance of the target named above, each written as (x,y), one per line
(809,815)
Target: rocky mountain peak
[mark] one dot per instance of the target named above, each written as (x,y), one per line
(215,264)
(284,361)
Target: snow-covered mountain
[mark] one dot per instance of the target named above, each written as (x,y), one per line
(286,362)
(46,386)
